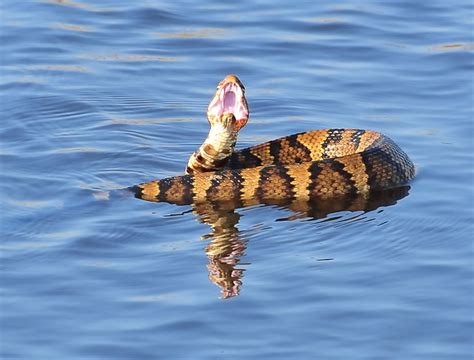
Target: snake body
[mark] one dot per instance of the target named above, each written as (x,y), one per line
(309,166)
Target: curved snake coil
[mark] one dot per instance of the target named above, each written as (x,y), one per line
(316,165)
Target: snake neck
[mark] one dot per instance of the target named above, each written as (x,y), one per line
(216,150)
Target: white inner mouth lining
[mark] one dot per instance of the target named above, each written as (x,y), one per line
(229,101)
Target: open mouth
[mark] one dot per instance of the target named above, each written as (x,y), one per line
(230,99)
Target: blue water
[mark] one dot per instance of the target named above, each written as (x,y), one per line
(101,95)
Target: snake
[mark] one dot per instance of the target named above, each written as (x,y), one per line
(317,165)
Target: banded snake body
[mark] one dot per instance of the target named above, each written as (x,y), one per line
(318,165)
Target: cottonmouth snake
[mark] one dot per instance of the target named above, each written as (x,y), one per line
(319,165)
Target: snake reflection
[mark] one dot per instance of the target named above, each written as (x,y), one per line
(227,246)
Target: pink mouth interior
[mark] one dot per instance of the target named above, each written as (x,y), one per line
(229,101)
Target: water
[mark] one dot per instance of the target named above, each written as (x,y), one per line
(100,95)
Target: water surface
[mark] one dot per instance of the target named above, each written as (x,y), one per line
(100,95)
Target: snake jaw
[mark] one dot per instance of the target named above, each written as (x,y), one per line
(229,99)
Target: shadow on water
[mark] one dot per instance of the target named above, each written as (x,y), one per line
(227,245)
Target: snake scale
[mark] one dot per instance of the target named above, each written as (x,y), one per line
(317,165)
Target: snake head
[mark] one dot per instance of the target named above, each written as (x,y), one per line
(229,102)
